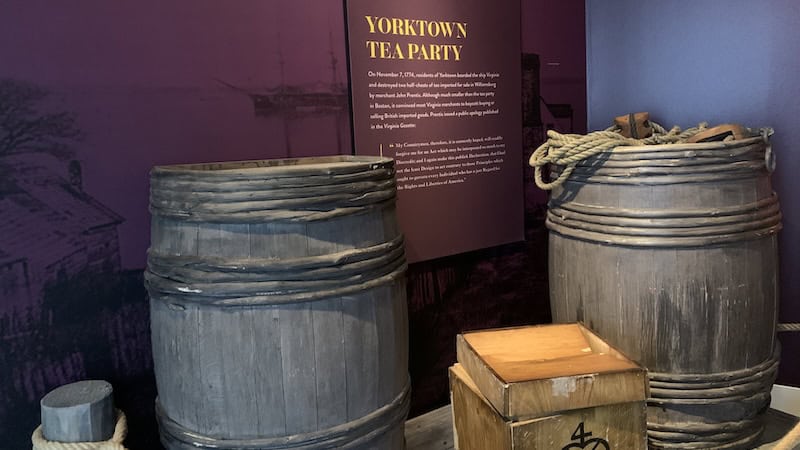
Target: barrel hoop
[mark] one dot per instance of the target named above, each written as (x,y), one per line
(758,385)
(759,397)
(280,287)
(718,438)
(271,299)
(349,435)
(259,192)
(276,168)
(309,277)
(657,180)
(720,147)
(293,192)
(285,284)
(193,268)
(719,376)
(700,428)
(666,228)
(743,443)
(666,155)
(314,209)
(664,242)
(667,213)
(653,170)
(707,220)
(702,385)
(207,186)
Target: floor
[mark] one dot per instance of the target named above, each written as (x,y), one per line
(434,430)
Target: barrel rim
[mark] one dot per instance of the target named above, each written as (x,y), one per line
(744,442)
(277,167)
(718,145)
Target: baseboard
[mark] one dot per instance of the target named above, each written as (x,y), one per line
(786,399)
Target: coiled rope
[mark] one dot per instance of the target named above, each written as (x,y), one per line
(115,443)
(568,150)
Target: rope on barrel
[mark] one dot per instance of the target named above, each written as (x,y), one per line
(569,149)
(115,443)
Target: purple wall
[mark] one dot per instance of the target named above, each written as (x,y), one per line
(710,60)
(555,31)
(147,71)
(141,83)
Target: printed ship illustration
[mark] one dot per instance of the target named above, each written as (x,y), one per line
(318,99)
(301,100)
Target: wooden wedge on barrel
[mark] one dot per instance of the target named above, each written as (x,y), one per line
(719,133)
(634,125)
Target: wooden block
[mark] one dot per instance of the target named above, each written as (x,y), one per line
(79,412)
(534,371)
(478,426)
(634,125)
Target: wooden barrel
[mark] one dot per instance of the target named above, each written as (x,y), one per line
(669,252)
(278,306)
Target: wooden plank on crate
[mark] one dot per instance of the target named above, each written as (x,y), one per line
(531,371)
(476,425)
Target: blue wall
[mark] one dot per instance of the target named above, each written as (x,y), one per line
(709,60)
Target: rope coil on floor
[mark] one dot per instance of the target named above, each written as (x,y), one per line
(115,443)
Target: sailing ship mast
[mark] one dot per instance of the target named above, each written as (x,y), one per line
(281,64)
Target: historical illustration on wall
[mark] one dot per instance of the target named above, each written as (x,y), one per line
(86,109)
(92,95)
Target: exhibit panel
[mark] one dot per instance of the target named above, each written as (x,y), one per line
(431,88)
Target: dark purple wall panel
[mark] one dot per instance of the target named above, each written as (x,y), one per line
(95,93)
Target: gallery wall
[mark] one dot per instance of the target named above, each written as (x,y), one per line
(717,61)
(118,87)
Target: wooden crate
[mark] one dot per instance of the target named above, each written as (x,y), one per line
(546,387)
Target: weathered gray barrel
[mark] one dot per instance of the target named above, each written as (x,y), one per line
(670,253)
(278,306)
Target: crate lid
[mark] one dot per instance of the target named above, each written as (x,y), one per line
(532,371)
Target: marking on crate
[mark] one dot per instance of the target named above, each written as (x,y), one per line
(580,435)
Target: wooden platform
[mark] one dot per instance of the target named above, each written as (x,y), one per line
(434,430)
